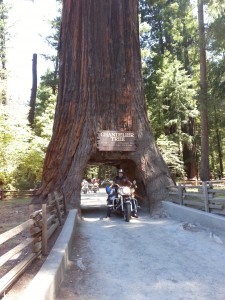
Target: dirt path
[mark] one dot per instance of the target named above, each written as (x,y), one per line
(148,258)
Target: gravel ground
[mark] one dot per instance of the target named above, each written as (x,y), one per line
(148,258)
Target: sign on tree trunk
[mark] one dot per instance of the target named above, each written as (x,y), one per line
(116,141)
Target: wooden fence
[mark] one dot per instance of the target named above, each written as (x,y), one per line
(208,196)
(4,194)
(41,225)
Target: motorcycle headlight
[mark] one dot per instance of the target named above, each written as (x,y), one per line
(126,190)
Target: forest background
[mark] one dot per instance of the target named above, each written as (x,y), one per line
(171,59)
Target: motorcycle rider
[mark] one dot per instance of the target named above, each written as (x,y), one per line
(84,186)
(121,180)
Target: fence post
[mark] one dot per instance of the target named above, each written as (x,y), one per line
(205,195)
(210,193)
(31,209)
(57,207)
(180,193)
(44,229)
(1,195)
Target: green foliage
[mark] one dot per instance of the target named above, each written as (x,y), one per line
(174,103)
(50,79)
(14,140)
(4,36)
(45,112)
(173,28)
(21,153)
(53,39)
(169,42)
(29,169)
(172,111)
(215,33)
(100,172)
(172,156)
(48,88)
(170,71)
(91,172)
(216,82)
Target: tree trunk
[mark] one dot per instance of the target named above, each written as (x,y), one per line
(33,91)
(189,151)
(100,88)
(204,174)
(218,142)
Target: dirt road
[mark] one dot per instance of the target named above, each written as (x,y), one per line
(148,258)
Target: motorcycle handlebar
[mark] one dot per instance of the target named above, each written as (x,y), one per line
(120,186)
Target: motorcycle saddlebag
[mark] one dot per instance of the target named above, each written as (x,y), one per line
(108,189)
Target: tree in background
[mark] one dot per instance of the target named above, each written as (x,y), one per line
(33,91)
(203,97)
(52,76)
(173,109)
(48,88)
(170,60)
(216,84)
(3,38)
(22,151)
(14,142)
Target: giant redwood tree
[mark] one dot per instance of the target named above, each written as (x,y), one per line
(100,88)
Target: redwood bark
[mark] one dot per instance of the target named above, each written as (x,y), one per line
(189,151)
(101,88)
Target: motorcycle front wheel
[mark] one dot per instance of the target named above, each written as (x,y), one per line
(127,212)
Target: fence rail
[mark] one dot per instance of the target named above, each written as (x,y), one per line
(41,225)
(4,194)
(205,196)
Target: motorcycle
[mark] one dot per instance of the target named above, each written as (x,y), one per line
(84,187)
(95,187)
(121,200)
